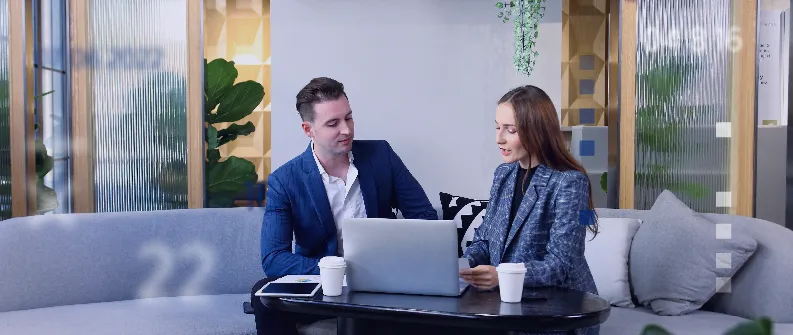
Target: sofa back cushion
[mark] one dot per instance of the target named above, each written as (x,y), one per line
(679,259)
(52,260)
(607,255)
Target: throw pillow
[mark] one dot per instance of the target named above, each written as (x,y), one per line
(467,213)
(677,260)
(607,255)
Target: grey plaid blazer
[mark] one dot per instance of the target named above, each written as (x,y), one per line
(546,234)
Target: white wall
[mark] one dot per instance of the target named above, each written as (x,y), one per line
(423,74)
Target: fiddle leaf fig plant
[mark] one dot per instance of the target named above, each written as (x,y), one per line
(660,125)
(226,102)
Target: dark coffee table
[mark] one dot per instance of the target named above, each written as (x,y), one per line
(481,312)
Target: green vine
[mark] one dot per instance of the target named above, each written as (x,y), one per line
(527,15)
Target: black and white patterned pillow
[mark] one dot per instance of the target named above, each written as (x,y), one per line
(467,213)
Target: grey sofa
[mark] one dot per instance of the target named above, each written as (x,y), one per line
(157,272)
(189,271)
(762,287)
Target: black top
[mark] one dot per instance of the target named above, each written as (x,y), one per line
(517,197)
(542,309)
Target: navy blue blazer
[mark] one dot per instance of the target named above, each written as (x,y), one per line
(297,203)
(546,234)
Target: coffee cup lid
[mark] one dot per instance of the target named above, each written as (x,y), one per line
(511,267)
(332,262)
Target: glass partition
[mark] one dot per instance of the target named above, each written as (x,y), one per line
(136,59)
(682,124)
(53,191)
(5,130)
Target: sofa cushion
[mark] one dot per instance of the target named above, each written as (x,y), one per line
(607,255)
(631,321)
(214,314)
(467,213)
(678,259)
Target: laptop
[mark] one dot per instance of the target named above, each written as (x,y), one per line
(402,256)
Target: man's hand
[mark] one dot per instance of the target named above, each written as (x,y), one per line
(482,277)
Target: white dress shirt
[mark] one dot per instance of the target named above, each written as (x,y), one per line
(346,199)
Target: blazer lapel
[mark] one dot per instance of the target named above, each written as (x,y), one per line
(366,180)
(317,193)
(507,182)
(537,185)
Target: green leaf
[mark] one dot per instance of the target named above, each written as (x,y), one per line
(220,200)
(762,326)
(229,134)
(212,137)
(219,76)
(230,175)
(42,95)
(604,182)
(213,155)
(238,103)
(655,330)
(693,190)
(44,162)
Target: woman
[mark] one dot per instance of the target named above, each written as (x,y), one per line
(537,198)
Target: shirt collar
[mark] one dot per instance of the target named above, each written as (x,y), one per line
(322,171)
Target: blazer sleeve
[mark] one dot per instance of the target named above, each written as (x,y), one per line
(565,248)
(478,253)
(408,195)
(276,236)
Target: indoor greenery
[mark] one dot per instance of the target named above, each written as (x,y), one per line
(46,198)
(660,122)
(226,102)
(761,326)
(527,15)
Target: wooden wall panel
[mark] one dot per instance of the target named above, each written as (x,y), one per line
(21,90)
(82,122)
(195,104)
(584,62)
(743,113)
(627,126)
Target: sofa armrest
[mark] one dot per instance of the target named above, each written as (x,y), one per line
(762,287)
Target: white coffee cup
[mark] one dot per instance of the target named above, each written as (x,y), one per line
(331,272)
(510,281)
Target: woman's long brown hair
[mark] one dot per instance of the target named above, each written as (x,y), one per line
(541,135)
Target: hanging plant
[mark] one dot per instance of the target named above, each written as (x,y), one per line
(527,15)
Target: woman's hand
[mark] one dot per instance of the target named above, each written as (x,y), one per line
(482,277)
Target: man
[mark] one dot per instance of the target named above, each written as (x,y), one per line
(335,178)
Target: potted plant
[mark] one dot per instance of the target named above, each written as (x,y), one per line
(227,102)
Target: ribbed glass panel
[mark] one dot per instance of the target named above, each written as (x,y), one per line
(138,62)
(681,95)
(5,115)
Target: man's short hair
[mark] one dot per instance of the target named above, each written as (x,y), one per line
(318,90)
